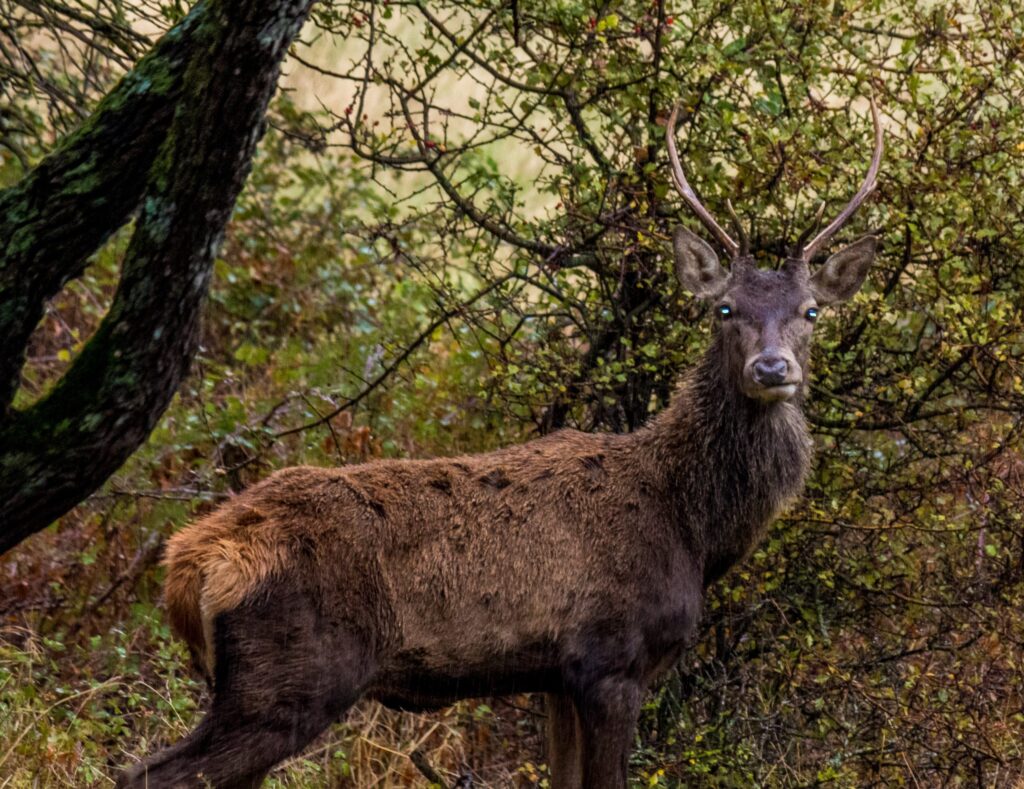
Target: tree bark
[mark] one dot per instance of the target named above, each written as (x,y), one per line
(219,68)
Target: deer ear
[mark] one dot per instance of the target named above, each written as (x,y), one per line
(844,272)
(697,265)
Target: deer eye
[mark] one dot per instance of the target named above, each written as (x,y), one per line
(811,314)
(724,311)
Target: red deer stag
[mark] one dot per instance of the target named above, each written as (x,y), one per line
(573,565)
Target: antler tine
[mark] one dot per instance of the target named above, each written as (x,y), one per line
(866,188)
(687,191)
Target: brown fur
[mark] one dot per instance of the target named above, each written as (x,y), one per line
(572,565)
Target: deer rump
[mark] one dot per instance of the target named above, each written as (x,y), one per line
(445,578)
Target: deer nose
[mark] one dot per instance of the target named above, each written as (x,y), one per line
(771,371)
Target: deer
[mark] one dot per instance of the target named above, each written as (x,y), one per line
(574,565)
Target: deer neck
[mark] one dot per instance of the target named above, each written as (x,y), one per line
(728,464)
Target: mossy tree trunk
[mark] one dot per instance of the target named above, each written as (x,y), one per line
(173,141)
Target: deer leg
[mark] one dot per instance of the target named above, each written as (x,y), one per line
(212,755)
(227,753)
(608,711)
(563,742)
(282,676)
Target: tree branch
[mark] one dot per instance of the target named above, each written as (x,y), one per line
(64,447)
(70,204)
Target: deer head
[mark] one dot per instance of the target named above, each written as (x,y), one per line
(765,318)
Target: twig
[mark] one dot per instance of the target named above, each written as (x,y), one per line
(419,760)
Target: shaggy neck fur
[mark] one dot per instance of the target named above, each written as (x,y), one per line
(726,462)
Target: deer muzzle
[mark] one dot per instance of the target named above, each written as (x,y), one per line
(772,375)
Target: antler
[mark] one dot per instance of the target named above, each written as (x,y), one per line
(866,189)
(687,191)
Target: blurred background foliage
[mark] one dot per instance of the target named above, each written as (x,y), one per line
(454,239)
